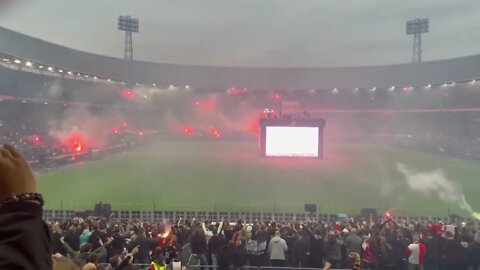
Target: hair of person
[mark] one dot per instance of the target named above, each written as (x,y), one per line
(114,260)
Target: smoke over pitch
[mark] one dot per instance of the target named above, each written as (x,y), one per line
(435,182)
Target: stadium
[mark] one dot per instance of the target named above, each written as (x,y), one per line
(200,126)
(127,149)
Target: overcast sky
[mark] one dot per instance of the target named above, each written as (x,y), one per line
(254,32)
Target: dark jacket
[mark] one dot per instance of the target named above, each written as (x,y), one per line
(317,251)
(24,237)
(216,243)
(452,251)
(472,254)
(145,245)
(433,247)
(198,245)
(333,249)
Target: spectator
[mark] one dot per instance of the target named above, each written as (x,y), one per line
(215,246)
(198,246)
(85,235)
(277,249)
(386,258)
(416,254)
(472,254)
(452,252)
(333,249)
(24,238)
(144,245)
(370,253)
(432,258)
(72,237)
(353,242)
(317,249)
(301,250)
(400,244)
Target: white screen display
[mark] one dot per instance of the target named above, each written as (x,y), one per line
(291,142)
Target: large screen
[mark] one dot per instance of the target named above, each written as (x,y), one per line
(291,141)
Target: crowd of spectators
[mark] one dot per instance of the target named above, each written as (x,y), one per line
(378,244)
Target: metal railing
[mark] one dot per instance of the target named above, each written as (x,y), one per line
(248,217)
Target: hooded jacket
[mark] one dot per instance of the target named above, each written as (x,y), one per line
(277,248)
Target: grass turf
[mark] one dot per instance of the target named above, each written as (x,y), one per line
(215,175)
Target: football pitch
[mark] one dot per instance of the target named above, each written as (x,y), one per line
(230,176)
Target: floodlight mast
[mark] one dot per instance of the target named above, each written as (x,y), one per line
(417,27)
(129,25)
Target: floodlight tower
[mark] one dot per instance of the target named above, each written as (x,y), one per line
(129,25)
(417,27)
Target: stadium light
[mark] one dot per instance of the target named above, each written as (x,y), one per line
(187,86)
(108,80)
(6,60)
(417,27)
(28,64)
(373,89)
(40,67)
(154,84)
(61,71)
(69,73)
(428,86)
(391,89)
(335,90)
(50,69)
(17,61)
(129,25)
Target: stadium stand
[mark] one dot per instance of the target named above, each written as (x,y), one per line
(377,104)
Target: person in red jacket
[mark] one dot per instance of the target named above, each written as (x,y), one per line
(416,254)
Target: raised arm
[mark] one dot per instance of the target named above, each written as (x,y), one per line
(220,226)
(25,241)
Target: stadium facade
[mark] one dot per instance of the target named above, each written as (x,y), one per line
(208,77)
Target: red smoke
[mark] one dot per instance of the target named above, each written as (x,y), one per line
(205,104)
(275,96)
(188,130)
(214,132)
(36,139)
(77,142)
(127,93)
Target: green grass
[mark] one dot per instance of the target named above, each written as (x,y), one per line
(181,175)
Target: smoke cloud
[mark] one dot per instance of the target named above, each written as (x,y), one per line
(81,124)
(435,182)
(209,112)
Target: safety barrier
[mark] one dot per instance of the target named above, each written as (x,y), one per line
(248,217)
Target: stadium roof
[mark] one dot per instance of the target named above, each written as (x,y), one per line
(33,49)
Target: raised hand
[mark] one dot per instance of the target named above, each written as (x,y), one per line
(16,177)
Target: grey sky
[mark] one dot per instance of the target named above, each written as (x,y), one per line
(254,32)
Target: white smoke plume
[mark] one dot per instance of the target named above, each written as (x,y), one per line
(435,182)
